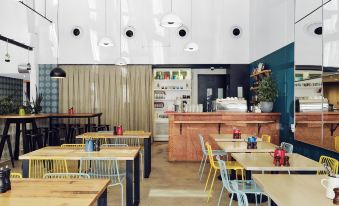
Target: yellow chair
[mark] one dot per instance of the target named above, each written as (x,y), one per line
(331,162)
(134,132)
(266,138)
(15,175)
(231,165)
(39,167)
(73,145)
(102,140)
(336,143)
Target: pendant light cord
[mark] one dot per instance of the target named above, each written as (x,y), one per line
(171,6)
(120,27)
(58,37)
(105,17)
(191,19)
(7,47)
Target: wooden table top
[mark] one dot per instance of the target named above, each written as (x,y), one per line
(229,138)
(287,190)
(120,153)
(27,116)
(58,115)
(231,147)
(109,135)
(264,162)
(54,192)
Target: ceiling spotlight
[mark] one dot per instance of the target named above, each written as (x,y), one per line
(105,42)
(171,20)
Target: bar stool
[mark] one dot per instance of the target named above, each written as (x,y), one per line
(4,139)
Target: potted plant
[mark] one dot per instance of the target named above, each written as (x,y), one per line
(267,94)
(34,107)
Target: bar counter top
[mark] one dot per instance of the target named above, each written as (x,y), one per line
(184,128)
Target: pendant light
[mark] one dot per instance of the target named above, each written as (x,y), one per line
(171,20)
(191,46)
(105,41)
(7,56)
(121,61)
(57,72)
(28,64)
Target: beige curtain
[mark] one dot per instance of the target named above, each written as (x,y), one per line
(123,94)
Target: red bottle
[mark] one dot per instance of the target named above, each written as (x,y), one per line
(279,152)
(119,130)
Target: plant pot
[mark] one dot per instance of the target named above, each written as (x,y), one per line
(266,106)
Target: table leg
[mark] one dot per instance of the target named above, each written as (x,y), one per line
(129,182)
(4,136)
(148,157)
(99,120)
(88,124)
(24,138)
(10,149)
(17,141)
(102,201)
(137,180)
(25,168)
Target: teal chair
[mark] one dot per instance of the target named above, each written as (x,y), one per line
(104,168)
(234,186)
(242,198)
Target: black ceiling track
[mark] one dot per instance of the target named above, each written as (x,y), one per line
(11,41)
(50,21)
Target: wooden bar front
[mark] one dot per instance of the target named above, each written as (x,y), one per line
(184,128)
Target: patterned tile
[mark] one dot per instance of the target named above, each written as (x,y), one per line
(49,88)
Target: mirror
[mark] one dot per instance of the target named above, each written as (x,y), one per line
(308,76)
(331,73)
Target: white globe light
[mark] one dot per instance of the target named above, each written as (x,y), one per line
(171,20)
(191,47)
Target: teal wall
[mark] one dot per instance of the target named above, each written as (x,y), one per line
(281,62)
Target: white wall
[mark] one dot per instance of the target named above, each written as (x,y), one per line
(212,22)
(331,34)
(271,26)
(304,7)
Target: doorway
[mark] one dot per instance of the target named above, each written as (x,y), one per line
(211,87)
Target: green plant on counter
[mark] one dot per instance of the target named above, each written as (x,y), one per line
(267,90)
(9,105)
(34,107)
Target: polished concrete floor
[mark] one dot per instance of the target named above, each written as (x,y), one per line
(171,184)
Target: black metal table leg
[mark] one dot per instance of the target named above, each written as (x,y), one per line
(102,201)
(10,149)
(148,157)
(17,141)
(25,139)
(25,167)
(136,180)
(89,124)
(4,139)
(129,183)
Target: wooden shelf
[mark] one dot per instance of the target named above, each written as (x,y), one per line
(198,122)
(260,73)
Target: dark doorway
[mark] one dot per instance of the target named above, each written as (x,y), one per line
(209,86)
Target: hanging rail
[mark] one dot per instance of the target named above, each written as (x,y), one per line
(11,41)
(50,21)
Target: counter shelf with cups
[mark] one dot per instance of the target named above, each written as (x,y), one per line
(172,93)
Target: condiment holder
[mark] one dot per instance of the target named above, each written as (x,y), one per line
(336,196)
(236,134)
(5,182)
(252,143)
(92,145)
(331,183)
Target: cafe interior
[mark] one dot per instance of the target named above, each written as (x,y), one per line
(166,102)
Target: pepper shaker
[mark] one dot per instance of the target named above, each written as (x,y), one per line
(7,178)
(336,197)
(2,180)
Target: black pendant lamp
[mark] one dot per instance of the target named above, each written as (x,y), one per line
(57,72)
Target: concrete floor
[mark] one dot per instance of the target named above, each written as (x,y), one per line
(170,184)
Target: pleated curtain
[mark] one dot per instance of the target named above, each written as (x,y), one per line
(122,93)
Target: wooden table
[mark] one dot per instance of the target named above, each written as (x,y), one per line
(287,190)
(128,154)
(18,120)
(236,147)
(229,138)
(144,135)
(56,192)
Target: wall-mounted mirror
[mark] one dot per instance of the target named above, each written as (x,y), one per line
(308,75)
(317,73)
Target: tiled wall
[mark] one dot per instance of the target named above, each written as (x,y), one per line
(10,86)
(49,88)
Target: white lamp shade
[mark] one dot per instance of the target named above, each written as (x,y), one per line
(105,42)
(191,47)
(121,61)
(171,20)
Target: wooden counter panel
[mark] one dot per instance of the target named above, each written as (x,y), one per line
(184,142)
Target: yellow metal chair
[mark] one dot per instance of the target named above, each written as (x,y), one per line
(16,175)
(39,167)
(331,162)
(266,138)
(134,132)
(73,145)
(231,165)
(336,143)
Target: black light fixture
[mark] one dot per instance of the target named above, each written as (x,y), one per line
(57,72)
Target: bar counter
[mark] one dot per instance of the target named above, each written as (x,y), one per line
(184,128)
